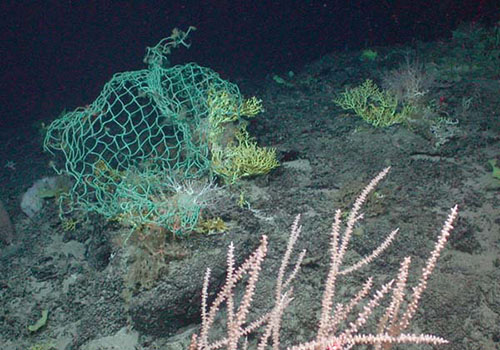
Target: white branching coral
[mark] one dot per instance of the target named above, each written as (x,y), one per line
(338,327)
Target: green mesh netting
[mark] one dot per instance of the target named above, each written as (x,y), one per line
(139,153)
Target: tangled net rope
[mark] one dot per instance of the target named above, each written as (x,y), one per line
(140,153)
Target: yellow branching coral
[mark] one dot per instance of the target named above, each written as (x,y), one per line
(243,159)
(251,107)
(224,108)
(379,108)
(69,224)
(211,226)
(222,116)
(234,153)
